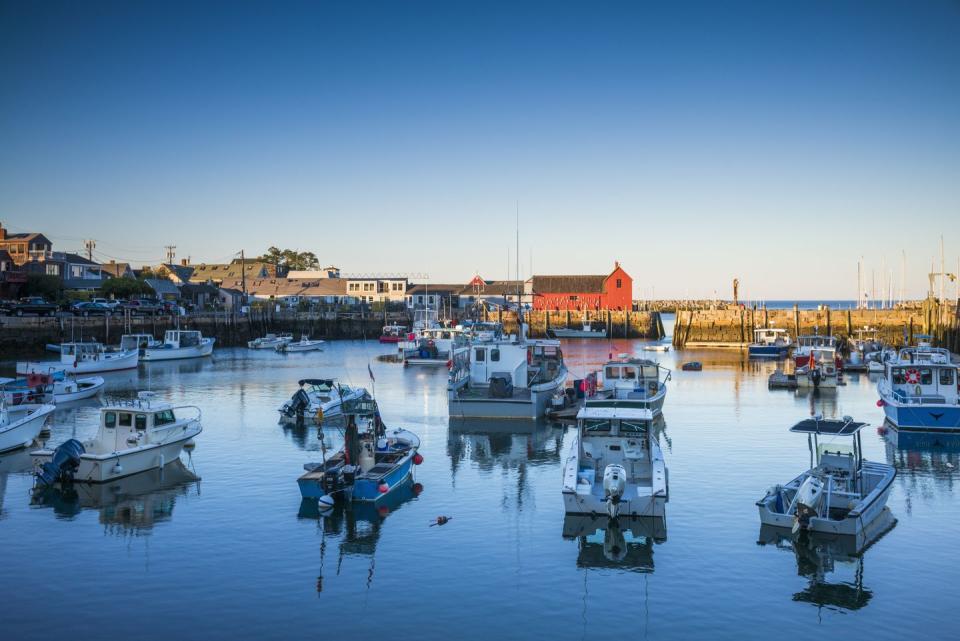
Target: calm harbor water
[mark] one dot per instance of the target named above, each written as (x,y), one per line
(235,555)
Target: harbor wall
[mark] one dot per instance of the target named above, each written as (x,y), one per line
(734,327)
(27,335)
(619,324)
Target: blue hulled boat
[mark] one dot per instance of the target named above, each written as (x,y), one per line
(769,343)
(373,461)
(919,391)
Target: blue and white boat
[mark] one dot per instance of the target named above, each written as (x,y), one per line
(918,391)
(769,343)
(373,461)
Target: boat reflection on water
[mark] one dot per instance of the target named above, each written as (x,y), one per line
(495,443)
(928,464)
(820,556)
(131,505)
(15,462)
(356,525)
(623,544)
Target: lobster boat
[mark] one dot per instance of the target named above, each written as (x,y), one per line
(320,398)
(22,424)
(83,358)
(919,391)
(55,387)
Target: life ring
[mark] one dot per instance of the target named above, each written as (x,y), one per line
(913,376)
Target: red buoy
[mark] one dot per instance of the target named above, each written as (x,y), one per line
(417,458)
(383,488)
(880,402)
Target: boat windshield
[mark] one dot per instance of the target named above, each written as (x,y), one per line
(597,425)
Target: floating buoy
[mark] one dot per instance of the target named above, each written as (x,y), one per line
(441,520)
(417,458)
(383,488)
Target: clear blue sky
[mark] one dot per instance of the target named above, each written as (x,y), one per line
(774,141)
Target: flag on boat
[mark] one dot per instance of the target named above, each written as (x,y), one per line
(370,371)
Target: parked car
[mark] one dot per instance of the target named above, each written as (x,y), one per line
(89,308)
(112,304)
(141,307)
(29,305)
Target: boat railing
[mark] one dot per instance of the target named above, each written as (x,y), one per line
(923,399)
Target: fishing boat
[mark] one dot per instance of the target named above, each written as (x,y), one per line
(656,347)
(877,361)
(56,387)
(820,369)
(83,358)
(319,399)
(769,342)
(484,331)
(631,382)
(302,345)
(393,333)
(842,493)
(435,346)
(864,343)
(586,331)
(132,436)
(615,466)
(373,461)
(177,344)
(269,341)
(807,343)
(508,378)
(21,425)
(918,391)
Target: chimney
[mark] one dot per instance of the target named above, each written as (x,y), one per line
(3,232)
(184,262)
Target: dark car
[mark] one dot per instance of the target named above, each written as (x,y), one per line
(29,305)
(88,308)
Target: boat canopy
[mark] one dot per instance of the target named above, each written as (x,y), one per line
(835,427)
(319,382)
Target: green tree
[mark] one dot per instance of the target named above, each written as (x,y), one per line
(287,259)
(50,287)
(124,288)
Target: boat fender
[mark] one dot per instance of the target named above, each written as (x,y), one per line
(417,458)
(917,391)
(383,488)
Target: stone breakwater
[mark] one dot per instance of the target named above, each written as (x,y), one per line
(734,327)
(618,324)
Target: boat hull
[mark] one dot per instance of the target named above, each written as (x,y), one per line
(205,348)
(767,351)
(636,507)
(26,423)
(100,468)
(533,406)
(109,363)
(577,333)
(369,489)
(923,418)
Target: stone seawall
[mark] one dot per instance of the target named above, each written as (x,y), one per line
(619,324)
(734,327)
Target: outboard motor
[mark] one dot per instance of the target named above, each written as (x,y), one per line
(614,485)
(63,464)
(298,404)
(815,376)
(809,497)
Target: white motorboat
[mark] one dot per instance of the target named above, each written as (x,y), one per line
(435,346)
(139,342)
(586,331)
(615,466)
(631,382)
(877,361)
(83,358)
(302,345)
(810,342)
(841,493)
(820,369)
(657,347)
(21,425)
(133,436)
(269,341)
(179,343)
(507,378)
(319,399)
(57,387)
(919,391)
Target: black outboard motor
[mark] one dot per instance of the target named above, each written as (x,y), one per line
(298,404)
(816,375)
(64,463)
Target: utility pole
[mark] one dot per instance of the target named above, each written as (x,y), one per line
(171,253)
(90,245)
(243,276)
(903,272)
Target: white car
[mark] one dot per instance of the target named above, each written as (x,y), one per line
(112,304)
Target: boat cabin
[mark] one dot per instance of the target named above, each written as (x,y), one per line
(924,375)
(136,341)
(771,336)
(526,363)
(486,331)
(79,352)
(618,436)
(325,389)
(806,343)
(129,424)
(632,378)
(180,338)
(398,331)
